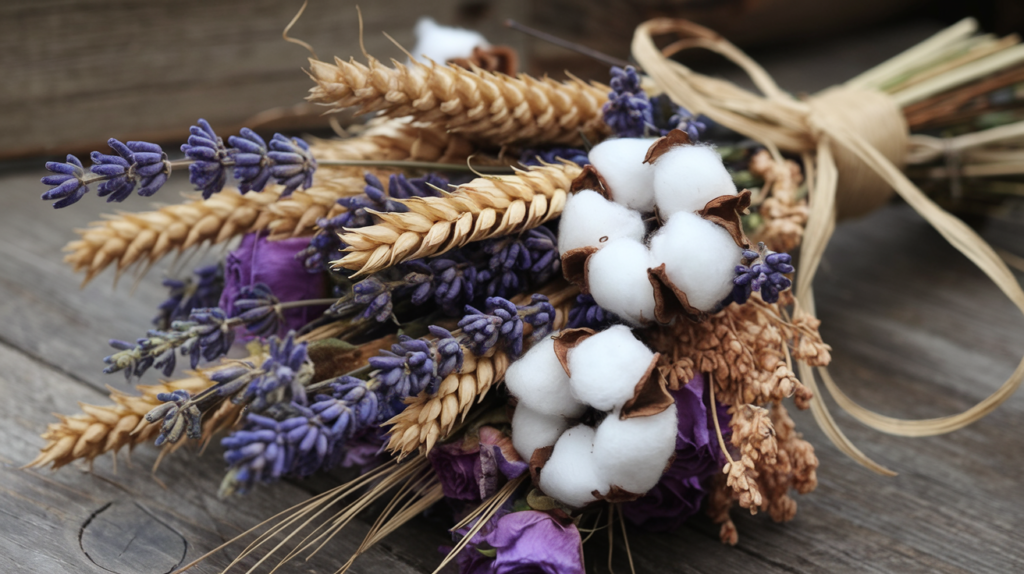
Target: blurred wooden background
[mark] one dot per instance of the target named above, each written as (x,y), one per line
(76,72)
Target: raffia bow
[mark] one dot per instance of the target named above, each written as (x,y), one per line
(852,139)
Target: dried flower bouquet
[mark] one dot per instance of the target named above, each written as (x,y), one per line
(579,329)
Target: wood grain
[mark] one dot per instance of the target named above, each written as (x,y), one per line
(77,73)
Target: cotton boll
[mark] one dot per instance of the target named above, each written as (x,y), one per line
(589,220)
(532,430)
(632,453)
(570,475)
(441,43)
(606,368)
(621,163)
(686,178)
(538,380)
(618,281)
(700,258)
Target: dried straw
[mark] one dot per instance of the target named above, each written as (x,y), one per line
(481,106)
(483,208)
(830,130)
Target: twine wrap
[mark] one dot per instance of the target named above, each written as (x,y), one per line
(851,149)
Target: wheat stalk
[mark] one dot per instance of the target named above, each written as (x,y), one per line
(426,418)
(101,429)
(481,106)
(483,208)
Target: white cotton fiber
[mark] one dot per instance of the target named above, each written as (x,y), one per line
(532,430)
(632,453)
(686,178)
(441,43)
(589,220)
(621,163)
(606,368)
(618,281)
(570,475)
(700,258)
(538,380)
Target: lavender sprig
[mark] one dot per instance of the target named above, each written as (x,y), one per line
(284,375)
(209,157)
(413,365)
(501,322)
(632,114)
(293,165)
(258,309)
(762,270)
(145,166)
(68,182)
(587,313)
(179,417)
(201,290)
(553,155)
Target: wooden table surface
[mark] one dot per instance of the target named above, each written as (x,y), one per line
(916,331)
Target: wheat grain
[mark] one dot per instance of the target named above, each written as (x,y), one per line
(101,429)
(483,208)
(482,106)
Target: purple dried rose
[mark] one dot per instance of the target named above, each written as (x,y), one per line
(476,467)
(258,260)
(679,493)
(526,541)
(457,465)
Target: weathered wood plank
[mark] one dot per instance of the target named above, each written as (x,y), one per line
(76,73)
(73,521)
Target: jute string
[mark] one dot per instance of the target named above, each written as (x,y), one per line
(852,141)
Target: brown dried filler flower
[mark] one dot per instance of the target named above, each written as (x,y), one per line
(746,349)
(483,107)
(784,214)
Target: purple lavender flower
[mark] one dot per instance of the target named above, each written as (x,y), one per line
(285,373)
(500,322)
(413,365)
(179,417)
(628,111)
(401,187)
(763,271)
(67,183)
(293,164)
(210,334)
(207,172)
(452,281)
(531,258)
(587,313)
(252,166)
(137,163)
(552,155)
(258,453)
(375,295)
(667,116)
(202,290)
(350,408)
(257,308)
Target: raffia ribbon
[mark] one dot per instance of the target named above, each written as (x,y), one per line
(852,141)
